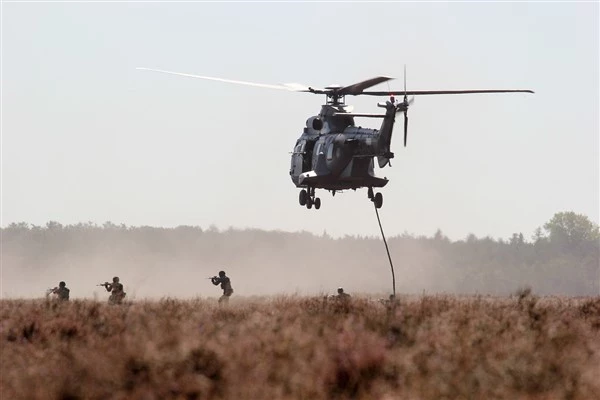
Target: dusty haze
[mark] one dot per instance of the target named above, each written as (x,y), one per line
(154,262)
(160,262)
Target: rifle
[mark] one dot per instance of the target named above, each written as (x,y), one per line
(103,284)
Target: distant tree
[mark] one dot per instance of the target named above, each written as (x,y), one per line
(538,236)
(440,237)
(21,226)
(571,229)
(517,239)
(53,225)
(110,225)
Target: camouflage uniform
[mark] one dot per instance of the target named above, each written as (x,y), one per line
(342,295)
(117,294)
(391,302)
(62,292)
(225,285)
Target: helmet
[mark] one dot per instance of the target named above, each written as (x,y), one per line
(340,290)
(62,284)
(116,279)
(221,273)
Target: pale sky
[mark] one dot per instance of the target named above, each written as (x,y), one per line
(87,137)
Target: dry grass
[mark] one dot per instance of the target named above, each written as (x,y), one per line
(430,347)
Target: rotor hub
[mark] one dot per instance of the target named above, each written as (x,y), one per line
(335,99)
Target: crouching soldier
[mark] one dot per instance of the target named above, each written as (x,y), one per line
(391,303)
(343,296)
(61,292)
(225,285)
(117,294)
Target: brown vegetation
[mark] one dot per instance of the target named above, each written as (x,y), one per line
(429,347)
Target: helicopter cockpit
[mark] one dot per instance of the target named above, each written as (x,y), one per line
(334,119)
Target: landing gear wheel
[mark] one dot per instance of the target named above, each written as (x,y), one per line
(317,203)
(309,203)
(370,193)
(302,197)
(378,200)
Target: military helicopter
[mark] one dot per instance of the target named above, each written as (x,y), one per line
(333,153)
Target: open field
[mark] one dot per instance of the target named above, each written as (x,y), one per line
(429,347)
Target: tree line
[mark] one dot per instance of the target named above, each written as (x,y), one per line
(561,257)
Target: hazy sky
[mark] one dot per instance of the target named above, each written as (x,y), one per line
(87,137)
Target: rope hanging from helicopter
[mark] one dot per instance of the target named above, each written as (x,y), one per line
(388,252)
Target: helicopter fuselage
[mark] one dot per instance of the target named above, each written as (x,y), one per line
(334,154)
(336,161)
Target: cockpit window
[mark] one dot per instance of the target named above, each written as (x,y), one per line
(341,122)
(318,150)
(330,152)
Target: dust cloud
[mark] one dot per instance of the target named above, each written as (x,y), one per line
(258,263)
(156,262)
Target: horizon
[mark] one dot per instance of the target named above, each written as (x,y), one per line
(175,262)
(527,237)
(214,227)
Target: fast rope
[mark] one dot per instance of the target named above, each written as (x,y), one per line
(388,253)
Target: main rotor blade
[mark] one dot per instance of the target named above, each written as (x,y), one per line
(425,92)
(358,88)
(292,87)
(298,87)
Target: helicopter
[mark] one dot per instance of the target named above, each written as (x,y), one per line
(333,153)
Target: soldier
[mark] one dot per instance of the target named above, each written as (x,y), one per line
(342,295)
(61,292)
(390,303)
(225,285)
(117,294)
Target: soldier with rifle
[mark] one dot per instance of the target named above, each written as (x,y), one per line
(225,283)
(117,294)
(61,292)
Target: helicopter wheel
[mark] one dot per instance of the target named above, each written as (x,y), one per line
(309,203)
(302,197)
(378,200)
(317,203)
